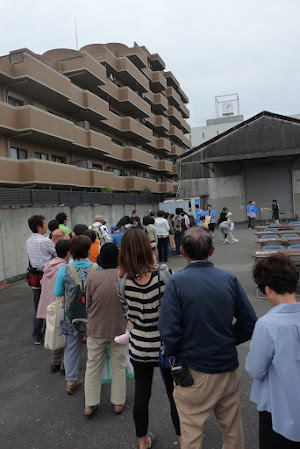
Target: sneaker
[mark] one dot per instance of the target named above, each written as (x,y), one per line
(54,368)
(235,240)
(38,342)
(74,386)
(122,339)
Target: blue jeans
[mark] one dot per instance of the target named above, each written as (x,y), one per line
(72,356)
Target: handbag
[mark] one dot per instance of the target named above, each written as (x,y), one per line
(54,337)
(34,276)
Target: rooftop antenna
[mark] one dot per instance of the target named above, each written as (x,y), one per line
(76,36)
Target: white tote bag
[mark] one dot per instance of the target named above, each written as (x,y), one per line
(54,338)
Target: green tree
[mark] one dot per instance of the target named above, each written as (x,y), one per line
(146,190)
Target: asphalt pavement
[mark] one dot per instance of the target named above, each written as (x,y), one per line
(36,412)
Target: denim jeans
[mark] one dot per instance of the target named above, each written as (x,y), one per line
(72,356)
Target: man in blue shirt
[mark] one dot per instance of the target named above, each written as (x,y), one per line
(252,214)
(197,327)
(199,213)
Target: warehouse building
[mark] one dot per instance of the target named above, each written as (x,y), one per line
(106,115)
(258,160)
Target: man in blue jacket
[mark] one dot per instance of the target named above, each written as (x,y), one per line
(205,314)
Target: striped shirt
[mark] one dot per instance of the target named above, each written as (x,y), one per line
(40,250)
(143,311)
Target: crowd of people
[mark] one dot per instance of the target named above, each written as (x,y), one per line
(189,323)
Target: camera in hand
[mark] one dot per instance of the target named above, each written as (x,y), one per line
(181,374)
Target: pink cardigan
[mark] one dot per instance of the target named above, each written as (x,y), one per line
(51,270)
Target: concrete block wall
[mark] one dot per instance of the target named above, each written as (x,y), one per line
(14,230)
(228,191)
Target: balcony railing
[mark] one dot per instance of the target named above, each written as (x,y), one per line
(45,173)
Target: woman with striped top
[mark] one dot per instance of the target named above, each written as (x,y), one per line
(143,291)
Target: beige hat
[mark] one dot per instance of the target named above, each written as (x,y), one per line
(99,218)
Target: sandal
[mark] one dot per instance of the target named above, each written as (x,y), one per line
(152,438)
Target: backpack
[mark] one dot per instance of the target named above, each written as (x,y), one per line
(76,311)
(179,224)
(98,233)
(163,273)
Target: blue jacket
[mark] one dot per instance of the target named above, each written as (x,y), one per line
(196,320)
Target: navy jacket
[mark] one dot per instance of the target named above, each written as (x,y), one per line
(205,314)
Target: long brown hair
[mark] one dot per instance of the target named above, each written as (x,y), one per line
(136,255)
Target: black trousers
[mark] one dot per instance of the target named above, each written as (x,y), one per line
(178,243)
(37,322)
(143,375)
(211,227)
(163,249)
(268,439)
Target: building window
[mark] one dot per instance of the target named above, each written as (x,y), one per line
(117,142)
(58,159)
(18,153)
(117,172)
(97,167)
(203,135)
(14,101)
(42,156)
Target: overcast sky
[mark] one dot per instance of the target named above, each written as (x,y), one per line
(213,47)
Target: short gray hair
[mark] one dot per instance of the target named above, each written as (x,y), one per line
(197,243)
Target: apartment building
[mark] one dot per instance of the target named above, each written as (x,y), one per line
(106,115)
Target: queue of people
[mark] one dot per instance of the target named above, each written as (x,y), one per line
(189,323)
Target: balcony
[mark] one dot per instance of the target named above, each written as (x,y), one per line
(175,100)
(158,83)
(134,54)
(161,144)
(84,70)
(176,151)
(156,62)
(177,136)
(39,126)
(176,118)
(184,97)
(158,102)
(122,68)
(174,169)
(33,78)
(130,156)
(125,99)
(130,75)
(172,80)
(159,123)
(45,173)
(136,131)
(163,165)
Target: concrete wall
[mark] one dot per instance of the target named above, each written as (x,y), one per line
(228,191)
(14,230)
(222,191)
(296,191)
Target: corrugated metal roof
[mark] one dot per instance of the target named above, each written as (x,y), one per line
(266,134)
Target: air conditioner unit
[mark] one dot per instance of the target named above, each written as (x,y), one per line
(111,77)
